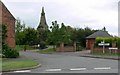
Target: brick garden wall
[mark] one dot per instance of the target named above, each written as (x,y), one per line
(66,49)
(100,50)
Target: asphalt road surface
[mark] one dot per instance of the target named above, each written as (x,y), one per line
(62,63)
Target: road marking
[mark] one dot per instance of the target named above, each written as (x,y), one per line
(0,73)
(23,71)
(102,68)
(53,69)
(77,69)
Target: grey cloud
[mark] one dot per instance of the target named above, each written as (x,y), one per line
(70,15)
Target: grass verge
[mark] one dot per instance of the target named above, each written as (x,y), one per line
(47,51)
(3,59)
(106,54)
(18,64)
(21,47)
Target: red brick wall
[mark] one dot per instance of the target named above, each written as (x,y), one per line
(66,49)
(100,50)
(9,21)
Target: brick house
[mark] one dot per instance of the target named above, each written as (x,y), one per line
(90,40)
(6,18)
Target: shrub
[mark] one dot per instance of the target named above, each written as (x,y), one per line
(118,42)
(109,40)
(6,51)
(42,45)
(79,48)
(106,40)
(9,52)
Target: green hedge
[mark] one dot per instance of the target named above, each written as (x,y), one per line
(118,42)
(108,40)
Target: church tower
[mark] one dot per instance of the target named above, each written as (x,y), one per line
(43,24)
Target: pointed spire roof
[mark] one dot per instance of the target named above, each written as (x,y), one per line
(43,23)
(43,10)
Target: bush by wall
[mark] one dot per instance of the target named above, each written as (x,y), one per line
(9,52)
(118,42)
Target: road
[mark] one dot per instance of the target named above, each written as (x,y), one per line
(62,63)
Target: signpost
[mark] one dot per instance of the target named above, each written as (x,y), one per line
(103,44)
(113,49)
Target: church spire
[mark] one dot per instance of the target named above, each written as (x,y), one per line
(43,10)
(43,24)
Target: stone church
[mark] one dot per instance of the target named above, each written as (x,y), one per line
(6,18)
(42,30)
(43,24)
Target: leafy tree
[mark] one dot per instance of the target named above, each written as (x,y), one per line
(59,35)
(19,32)
(82,34)
(54,34)
(19,26)
(25,35)
(42,37)
(64,34)
(30,36)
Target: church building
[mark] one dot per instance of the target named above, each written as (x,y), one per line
(42,30)
(43,24)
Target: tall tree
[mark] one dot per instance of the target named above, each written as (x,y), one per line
(20,27)
(54,34)
(59,35)
(30,36)
(42,37)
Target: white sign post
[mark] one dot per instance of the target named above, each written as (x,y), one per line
(103,44)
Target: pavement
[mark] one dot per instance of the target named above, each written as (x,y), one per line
(69,62)
(86,53)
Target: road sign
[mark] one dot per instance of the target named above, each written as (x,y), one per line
(113,48)
(103,44)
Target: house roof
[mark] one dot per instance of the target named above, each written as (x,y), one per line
(99,33)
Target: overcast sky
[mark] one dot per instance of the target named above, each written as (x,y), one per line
(77,13)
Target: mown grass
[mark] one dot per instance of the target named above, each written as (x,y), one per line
(47,51)
(18,64)
(21,47)
(3,59)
